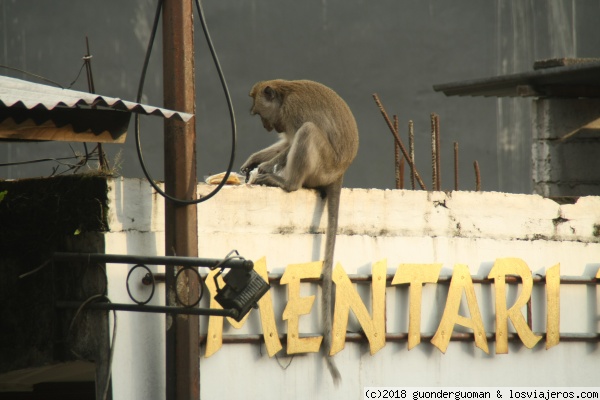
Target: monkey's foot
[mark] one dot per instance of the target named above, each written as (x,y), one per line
(269,180)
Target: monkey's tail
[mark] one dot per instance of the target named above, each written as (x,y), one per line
(333,192)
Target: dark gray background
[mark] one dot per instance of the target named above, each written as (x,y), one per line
(397,49)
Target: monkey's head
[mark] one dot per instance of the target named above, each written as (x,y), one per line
(267,101)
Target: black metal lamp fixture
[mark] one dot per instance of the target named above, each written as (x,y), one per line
(242,291)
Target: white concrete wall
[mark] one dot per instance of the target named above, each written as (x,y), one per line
(400,226)
(136,223)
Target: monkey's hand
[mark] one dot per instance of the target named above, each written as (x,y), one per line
(248,166)
(268,167)
(270,180)
(246,169)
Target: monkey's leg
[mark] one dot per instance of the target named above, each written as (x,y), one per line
(265,155)
(310,162)
(279,161)
(270,180)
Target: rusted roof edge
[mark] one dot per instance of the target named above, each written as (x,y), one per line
(585,74)
(19,93)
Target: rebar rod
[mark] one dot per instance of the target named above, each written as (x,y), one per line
(477,176)
(434,163)
(438,155)
(398,140)
(455,165)
(398,159)
(411,146)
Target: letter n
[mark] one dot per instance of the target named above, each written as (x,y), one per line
(347,298)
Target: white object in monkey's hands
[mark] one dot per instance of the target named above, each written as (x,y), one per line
(252,176)
(254,173)
(234,179)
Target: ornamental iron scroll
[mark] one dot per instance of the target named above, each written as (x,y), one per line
(150,279)
(234,309)
(149,276)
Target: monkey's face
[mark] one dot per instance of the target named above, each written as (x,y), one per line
(267,104)
(266,124)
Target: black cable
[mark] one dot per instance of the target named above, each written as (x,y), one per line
(34,161)
(227,96)
(77,77)
(42,78)
(33,75)
(87,155)
(112,342)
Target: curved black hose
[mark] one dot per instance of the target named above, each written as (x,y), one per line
(227,96)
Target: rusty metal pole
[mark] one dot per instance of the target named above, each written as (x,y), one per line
(181,234)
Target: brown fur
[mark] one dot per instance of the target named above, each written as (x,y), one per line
(318,142)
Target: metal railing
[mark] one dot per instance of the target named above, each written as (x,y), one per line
(187,263)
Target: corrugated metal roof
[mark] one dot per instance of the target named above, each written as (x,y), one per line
(571,80)
(19,93)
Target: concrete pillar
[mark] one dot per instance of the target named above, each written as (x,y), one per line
(566,147)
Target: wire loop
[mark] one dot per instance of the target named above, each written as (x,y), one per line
(153,283)
(229,105)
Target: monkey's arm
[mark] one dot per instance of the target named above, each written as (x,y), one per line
(279,161)
(267,158)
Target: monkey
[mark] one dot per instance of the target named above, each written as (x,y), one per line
(318,142)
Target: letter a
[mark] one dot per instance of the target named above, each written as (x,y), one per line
(461,282)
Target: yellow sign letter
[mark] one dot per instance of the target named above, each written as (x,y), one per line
(346,298)
(214,337)
(297,306)
(553,306)
(512,266)
(461,282)
(416,275)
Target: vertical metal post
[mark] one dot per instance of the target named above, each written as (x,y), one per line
(455,165)
(434,164)
(438,156)
(411,146)
(397,159)
(181,234)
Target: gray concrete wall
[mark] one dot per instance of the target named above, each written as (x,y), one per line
(398,49)
(566,146)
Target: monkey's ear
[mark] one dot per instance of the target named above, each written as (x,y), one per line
(269,93)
